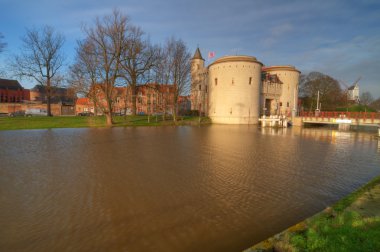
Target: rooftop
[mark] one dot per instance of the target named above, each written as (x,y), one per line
(10,84)
(236,58)
(197,54)
(276,68)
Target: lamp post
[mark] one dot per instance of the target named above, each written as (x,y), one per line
(318,108)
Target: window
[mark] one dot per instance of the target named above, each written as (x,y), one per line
(206,89)
(200,87)
(216,81)
(280,104)
(287,104)
(233,82)
(250,80)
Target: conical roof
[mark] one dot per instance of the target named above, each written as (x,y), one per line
(197,54)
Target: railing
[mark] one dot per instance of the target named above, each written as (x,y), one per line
(341,114)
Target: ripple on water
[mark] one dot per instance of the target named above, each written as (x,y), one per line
(171,189)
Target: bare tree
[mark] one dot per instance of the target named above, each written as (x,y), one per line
(366,98)
(175,67)
(84,72)
(108,41)
(330,93)
(41,58)
(2,44)
(137,61)
(376,104)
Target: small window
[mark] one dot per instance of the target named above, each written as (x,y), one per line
(250,80)
(280,104)
(206,89)
(216,81)
(233,82)
(287,104)
(200,87)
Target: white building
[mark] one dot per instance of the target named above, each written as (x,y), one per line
(238,89)
(353,93)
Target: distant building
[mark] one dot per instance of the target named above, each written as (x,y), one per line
(151,98)
(84,104)
(11,91)
(184,105)
(238,89)
(13,97)
(63,99)
(58,94)
(353,93)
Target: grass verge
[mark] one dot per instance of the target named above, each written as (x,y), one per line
(352,224)
(18,123)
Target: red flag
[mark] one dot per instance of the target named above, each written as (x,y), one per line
(211,55)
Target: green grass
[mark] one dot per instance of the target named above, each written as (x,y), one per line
(17,123)
(357,108)
(341,228)
(347,231)
(346,226)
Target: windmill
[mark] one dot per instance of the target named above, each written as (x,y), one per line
(351,91)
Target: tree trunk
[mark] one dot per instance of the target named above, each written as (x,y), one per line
(95,107)
(174,113)
(108,113)
(133,89)
(48,94)
(109,118)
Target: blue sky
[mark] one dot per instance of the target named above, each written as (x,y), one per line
(336,37)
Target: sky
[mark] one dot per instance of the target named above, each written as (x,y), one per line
(340,38)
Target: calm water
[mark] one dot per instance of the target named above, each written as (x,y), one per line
(215,188)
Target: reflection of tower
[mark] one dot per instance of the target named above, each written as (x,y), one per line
(199,87)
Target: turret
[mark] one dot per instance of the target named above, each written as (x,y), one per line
(197,62)
(199,96)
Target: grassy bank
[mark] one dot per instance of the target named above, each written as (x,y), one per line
(17,123)
(352,224)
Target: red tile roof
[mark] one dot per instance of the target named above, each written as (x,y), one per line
(83,101)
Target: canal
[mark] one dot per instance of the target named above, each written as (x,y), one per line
(212,188)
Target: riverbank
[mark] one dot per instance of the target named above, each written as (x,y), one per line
(352,224)
(19,123)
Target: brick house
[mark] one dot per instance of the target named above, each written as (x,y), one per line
(12,95)
(151,98)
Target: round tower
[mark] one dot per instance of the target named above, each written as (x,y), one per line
(234,90)
(289,78)
(199,97)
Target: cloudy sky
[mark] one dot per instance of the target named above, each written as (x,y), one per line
(338,37)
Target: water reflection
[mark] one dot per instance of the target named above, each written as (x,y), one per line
(216,188)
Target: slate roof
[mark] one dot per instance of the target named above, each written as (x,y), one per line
(10,84)
(197,54)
